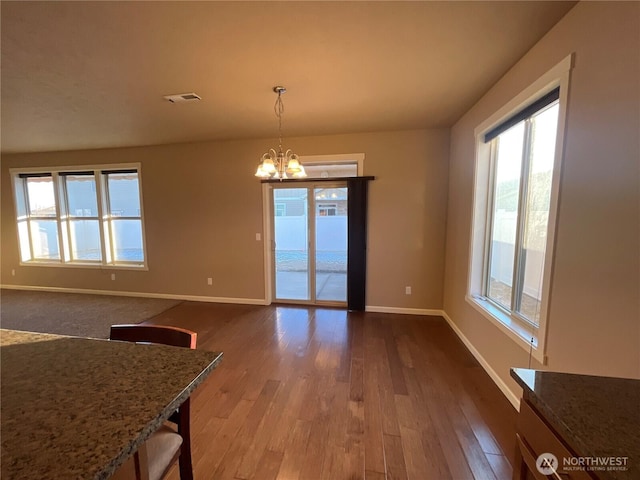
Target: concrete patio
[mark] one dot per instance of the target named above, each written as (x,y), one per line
(330,286)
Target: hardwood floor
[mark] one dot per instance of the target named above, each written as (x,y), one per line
(316,393)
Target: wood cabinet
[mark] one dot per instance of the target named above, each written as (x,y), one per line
(589,423)
(535,437)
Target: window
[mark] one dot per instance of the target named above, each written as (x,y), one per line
(333,166)
(41,211)
(281,209)
(521,165)
(332,170)
(80,217)
(331,202)
(327,210)
(83,224)
(518,159)
(124,218)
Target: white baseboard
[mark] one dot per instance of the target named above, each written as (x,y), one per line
(512,397)
(170,296)
(406,311)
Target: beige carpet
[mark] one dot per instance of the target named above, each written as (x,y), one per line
(73,313)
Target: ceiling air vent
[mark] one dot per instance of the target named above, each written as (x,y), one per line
(182,97)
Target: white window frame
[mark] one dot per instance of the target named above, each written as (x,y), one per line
(62,217)
(531,339)
(357,158)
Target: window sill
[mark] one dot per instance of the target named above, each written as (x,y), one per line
(98,266)
(510,327)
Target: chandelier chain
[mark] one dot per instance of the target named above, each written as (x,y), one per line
(280,164)
(279,109)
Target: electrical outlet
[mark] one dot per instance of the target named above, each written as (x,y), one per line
(407,290)
(258,237)
(209,281)
(113,276)
(13,272)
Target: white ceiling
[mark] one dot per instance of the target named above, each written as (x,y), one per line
(85,74)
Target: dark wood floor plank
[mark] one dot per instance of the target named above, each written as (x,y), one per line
(447,380)
(500,466)
(373,446)
(437,465)
(339,414)
(356,384)
(476,458)
(229,393)
(356,375)
(496,410)
(356,325)
(263,434)
(461,371)
(479,426)
(316,447)
(436,396)
(370,475)
(396,468)
(406,413)
(307,393)
(414,455)
(241,443)
(385,387)
(294,454)
(354,457)
(333,466)
(395,364)
(402,344)
(283,430)
(269,465)
(456,459)
(215,447)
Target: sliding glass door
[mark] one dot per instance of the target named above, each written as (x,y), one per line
(291,243)
(330,243)
(310,243)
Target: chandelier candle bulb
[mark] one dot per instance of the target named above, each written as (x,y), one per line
(277,164)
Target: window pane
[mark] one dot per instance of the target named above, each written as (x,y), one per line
(21,207)
(543,142)
(124,196)
(292,245)
(44,235)
(81,194)
(508,165)
(127,240)
(85,240)
(331,244)
(42,201)
(331,170)
(23,234)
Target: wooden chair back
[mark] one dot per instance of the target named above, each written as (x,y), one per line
(177,337)
(162,334)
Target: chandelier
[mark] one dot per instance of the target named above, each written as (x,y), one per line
(278,164)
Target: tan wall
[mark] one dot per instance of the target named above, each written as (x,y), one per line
(203,207)
(594,319)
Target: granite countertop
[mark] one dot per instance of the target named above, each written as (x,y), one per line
(596,416)
(77,408)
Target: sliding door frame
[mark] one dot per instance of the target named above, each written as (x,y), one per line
(270,247)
